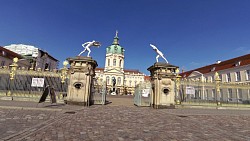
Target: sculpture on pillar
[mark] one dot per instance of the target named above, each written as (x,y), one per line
(160,54)
(87,46)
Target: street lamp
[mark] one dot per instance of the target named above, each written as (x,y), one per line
(13,68)
(63,74)
(177,85)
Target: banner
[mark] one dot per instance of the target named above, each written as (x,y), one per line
(190,90)
(37,82)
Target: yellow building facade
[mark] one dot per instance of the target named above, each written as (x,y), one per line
(119,81)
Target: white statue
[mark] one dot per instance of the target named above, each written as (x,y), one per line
(87,45)
(158,52)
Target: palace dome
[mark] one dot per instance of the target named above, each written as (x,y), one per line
(115,48)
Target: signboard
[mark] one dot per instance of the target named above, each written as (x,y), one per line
(145,92)
(190,90)
(37,82)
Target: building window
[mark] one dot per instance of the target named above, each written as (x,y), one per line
(228,77)
(119,81)
(220,76)
(120,63)
(107,79)
(239,93)
(114,62)
(116,49)
(2,63)
(230,93)
(108,62)
(237,76)
(213,69)
(248,75)
(248,94)
(135,83)
(130,83)
(46,66)
(125,83)
(3,53)
(238,63)
(221,95)
(212,78)
(213,93)
(205,79)
(206,94)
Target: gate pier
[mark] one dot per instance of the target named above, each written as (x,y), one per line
(81,73)
(163,77)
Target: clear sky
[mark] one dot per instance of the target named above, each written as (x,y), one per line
(190,33)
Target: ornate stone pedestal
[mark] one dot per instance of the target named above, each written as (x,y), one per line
(163,85)
(81,73)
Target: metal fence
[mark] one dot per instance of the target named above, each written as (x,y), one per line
(142,94)
(213,92)
(21,86)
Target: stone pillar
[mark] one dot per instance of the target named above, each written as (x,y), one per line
(81,73)
(163,77)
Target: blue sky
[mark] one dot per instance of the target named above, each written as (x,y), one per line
(190,33)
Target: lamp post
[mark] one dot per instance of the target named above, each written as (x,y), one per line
(63,74)
(13,68)
(217,86)
(177,86)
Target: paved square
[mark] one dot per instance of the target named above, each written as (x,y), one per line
(120,123)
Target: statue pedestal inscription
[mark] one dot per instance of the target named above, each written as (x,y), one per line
(163,85)
(81,73)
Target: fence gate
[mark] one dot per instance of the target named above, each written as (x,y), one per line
(98,93)
(142,94)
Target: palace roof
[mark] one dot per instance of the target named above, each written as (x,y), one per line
(221,65)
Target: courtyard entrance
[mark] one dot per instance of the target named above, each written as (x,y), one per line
(120,100)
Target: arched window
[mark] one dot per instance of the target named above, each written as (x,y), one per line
(108,62)
(120,63)
(119,81)
(114,62)
(107,79)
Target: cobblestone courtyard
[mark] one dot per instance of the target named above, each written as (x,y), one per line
(119,123)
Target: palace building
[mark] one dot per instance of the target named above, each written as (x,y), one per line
(235,71)
(118,80)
